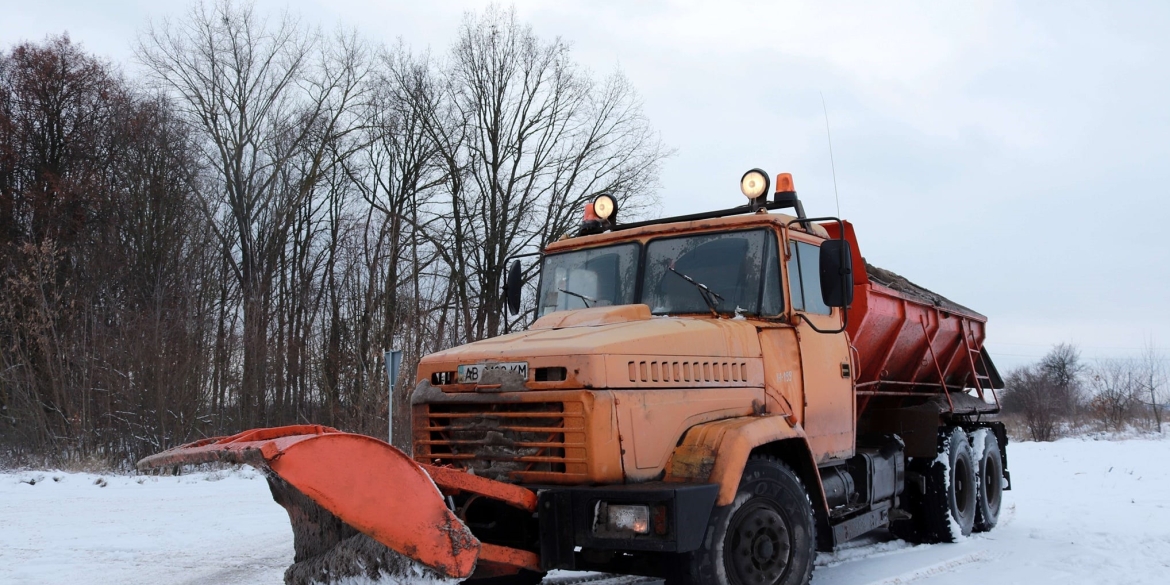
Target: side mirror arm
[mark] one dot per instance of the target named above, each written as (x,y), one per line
(844,322)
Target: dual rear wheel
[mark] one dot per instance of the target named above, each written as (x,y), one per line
(960,492)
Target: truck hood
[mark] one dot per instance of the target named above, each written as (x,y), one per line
(621,330)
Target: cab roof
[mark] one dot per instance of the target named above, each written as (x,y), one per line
(644,231)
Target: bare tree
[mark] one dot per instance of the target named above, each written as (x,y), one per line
(236,241)
(1064,369)
(1117,390)
(268,103)
(57,108)
(539,138)
(398,174)
(1028,392)
(1153,381)
(101,316)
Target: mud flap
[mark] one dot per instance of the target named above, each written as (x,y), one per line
(360,507)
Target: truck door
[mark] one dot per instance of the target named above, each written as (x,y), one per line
(824,358)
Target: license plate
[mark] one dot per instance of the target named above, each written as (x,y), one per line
(473,373)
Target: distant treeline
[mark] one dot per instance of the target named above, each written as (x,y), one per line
(1062,394)
(233,238)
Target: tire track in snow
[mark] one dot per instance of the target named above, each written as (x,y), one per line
(566,578)
(947,566)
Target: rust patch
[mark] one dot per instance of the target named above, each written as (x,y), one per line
(460,539)
(691,463)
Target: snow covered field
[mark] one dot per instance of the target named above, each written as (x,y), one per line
(1080,512)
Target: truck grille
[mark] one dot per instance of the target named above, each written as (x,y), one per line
(508,442)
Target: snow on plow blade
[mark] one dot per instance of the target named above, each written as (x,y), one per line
(360,507)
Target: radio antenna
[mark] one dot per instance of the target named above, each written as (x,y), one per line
(832,164)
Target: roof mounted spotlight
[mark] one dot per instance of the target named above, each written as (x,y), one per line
(605,206)
(754,185)
(600,215)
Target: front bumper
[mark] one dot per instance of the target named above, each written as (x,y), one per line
(567,519)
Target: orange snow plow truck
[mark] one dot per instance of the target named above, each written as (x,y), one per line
(709,398)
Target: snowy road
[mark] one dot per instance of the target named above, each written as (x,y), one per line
(1080,512)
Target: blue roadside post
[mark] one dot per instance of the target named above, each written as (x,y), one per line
(393,363)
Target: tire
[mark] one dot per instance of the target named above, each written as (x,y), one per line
(767,536)
(945,512)
(990,498)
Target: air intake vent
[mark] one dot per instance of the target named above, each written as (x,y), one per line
(550,374)
(674,372)
(442,378)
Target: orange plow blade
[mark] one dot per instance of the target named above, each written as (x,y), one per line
(360,507)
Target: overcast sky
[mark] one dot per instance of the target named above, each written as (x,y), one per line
(1014,157)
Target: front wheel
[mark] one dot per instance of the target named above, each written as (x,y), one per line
(765,537)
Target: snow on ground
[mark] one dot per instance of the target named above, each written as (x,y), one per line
(1080,511)
(199,528)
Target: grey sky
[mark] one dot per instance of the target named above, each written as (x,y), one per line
(1011,156)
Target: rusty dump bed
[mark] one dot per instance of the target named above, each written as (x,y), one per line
(912,340)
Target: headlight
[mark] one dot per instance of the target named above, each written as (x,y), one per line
(623,518)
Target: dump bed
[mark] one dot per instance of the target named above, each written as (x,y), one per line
(911,340)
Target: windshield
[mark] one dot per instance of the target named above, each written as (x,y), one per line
(726,272)
(595,277)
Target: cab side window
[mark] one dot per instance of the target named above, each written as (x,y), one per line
(804,278)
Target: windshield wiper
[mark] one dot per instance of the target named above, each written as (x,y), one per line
(580,296)
(704,291)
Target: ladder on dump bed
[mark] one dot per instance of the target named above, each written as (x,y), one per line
(977,360)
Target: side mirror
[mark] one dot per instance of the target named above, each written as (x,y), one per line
(836,274)
(512,287)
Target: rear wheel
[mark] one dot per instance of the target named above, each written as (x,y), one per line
(765,537)
(990,484)
(945,511)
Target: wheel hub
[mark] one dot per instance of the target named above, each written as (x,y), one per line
(760,545)
(961,486)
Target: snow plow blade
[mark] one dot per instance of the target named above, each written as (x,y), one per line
(360,507)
